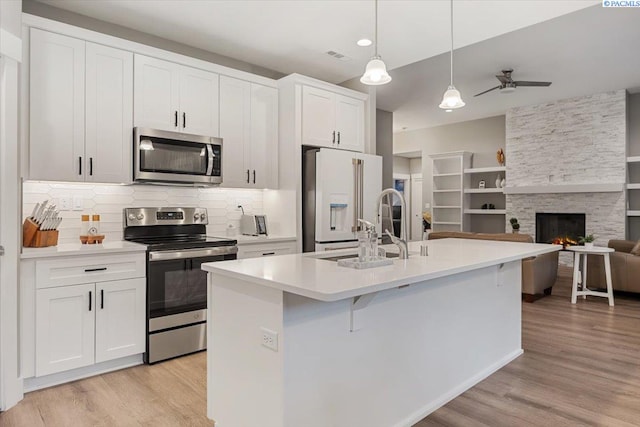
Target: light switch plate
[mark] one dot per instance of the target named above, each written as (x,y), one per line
(78,203)
(65,203)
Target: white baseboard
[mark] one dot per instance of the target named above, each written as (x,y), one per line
(458,390)
(33,384)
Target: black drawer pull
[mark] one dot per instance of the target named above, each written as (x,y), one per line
(184,120)
(90,299)
(175,118)
(268,253)
(90,270)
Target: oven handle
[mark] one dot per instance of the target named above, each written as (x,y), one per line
(192,253)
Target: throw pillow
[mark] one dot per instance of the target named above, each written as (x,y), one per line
(636,249)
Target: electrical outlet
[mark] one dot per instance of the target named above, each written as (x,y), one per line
(78,203)
(427,205)
(269,338)
(65,203)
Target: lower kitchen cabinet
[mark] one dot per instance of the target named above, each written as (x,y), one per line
(81,325)
(266,249)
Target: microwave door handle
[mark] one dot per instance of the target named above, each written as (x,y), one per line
(210,164)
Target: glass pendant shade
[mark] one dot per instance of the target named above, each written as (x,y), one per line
(452,99)
(375,72)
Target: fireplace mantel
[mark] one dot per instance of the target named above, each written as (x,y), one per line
(566,188)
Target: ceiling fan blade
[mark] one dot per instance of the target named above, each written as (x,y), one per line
(524,83)
(503,79)
(488,90)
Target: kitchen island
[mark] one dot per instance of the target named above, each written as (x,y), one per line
(296,340)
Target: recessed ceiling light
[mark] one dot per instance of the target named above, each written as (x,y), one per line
(448,111)
(364,42)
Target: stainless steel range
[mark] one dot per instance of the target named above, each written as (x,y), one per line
(177,245)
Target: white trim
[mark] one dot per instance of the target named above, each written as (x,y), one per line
(107,40)
(10,45)
(566,188)
(310,81)
(633,159)
(32,384)
(457,391)
(486,169)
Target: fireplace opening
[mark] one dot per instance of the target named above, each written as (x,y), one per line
(560,228)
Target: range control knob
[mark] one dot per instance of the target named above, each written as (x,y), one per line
(140,217)
(203,216)
(195,217)
(132,217)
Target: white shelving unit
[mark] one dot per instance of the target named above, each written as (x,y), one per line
(449,180)
(485,219)
(633,195)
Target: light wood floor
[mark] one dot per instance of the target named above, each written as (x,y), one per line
(581,367)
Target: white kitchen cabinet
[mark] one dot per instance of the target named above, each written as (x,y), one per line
(249,129)
(56,101)
(80,106)
(173,97)
(332,120)
(64,328)
(109,114)
(120,305)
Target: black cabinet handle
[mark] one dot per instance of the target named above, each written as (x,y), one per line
(338,138)
(80,165)
(254,176)
(89,270)
(268,253)
(101,299)
(334,137)
(175,118)
(91,166)
(184,120)
(90,299)
(248,176)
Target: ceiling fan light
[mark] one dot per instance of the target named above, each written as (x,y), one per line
(507,89)
(452,99)
(375,73)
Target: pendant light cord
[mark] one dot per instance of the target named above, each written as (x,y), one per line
(451,43)
(375,35)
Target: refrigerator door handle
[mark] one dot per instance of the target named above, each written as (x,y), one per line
(361,189)
(356,194)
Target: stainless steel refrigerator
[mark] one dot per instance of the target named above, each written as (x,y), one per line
(339,187)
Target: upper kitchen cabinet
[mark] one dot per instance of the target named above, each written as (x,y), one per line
(174,97)
(332,120)
(80,108)
(249,132)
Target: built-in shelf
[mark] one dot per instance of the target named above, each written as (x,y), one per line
(566,188)
(447,191)
(446,207)
(633,159)
(487,169)
(483,190)
(439,175)
(486,211)
(445,223)
(633,213)
(633,186)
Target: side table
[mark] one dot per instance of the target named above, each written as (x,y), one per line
(580,275)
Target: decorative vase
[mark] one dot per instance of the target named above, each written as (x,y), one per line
(498,181)
(503,183)
(516,231)
(588,245)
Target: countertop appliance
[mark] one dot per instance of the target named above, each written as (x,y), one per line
(177,245)
(338,188)
(173,157)
(253,225)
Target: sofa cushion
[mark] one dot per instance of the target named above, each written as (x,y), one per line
(636,249)
(622,245)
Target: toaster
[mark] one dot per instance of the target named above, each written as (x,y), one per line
(253,225)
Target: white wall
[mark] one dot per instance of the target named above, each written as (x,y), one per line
(110,200)
(401,165)
(10,11)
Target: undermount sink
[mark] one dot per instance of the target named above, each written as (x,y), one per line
(339,257)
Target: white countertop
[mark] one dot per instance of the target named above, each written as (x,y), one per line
(73,249)
(312,277)
(252,240)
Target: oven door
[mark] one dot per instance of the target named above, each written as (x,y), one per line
(175,281)
(174,157)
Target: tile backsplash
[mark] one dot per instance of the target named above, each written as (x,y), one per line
(109,200)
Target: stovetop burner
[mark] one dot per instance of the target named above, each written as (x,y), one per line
(184,242)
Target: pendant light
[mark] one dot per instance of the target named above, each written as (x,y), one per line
(452,99)
(375,72)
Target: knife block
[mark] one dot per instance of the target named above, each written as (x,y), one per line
(33,237)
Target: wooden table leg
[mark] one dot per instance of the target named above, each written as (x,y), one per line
(576,274)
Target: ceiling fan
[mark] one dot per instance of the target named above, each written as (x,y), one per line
(507,84)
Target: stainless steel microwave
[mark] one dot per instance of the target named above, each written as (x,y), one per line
(174,157)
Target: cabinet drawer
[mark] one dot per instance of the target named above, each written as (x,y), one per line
(255,251)
(89,269)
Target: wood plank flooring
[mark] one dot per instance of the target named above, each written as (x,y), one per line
(581,367)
